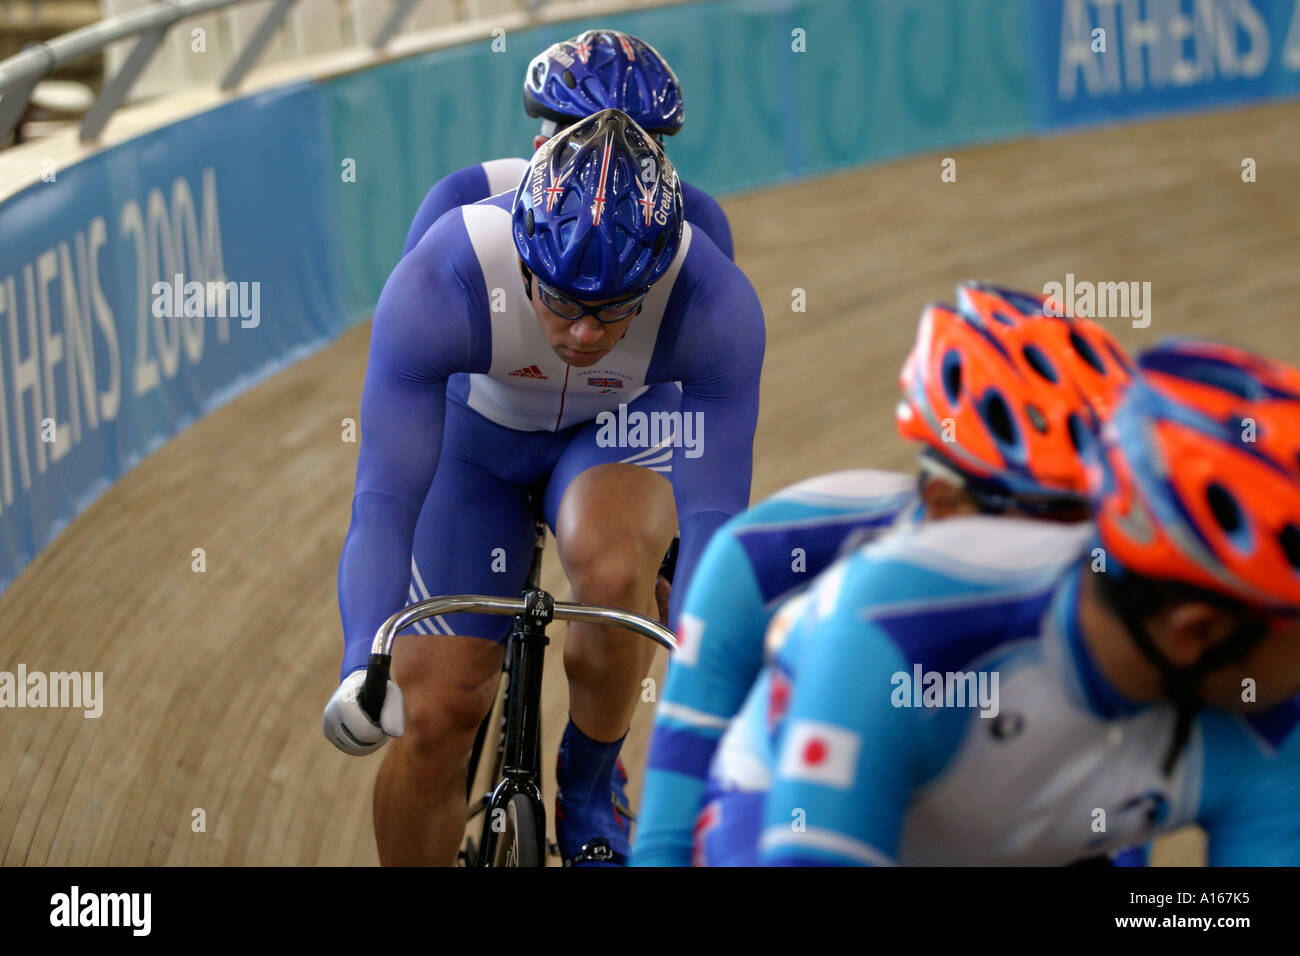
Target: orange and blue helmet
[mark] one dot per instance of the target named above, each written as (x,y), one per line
(1199,474)
(1010,395)
(598,216)
(604,69)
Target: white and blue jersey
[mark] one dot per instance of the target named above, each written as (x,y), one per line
(1048,765)
(467,410)
(473,183)
(753,563)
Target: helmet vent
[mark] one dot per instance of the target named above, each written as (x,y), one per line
(569,79)
(1002,317)
(998,417)
(661,240)
(952,376)
(1087,352)
(1231,380)
(1080,437)
(1224,507)
(1289,539)
(1040,363)
(530,224)
(1025,304)
(1035,415)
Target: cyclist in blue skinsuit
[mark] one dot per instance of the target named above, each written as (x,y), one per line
(594,71)
(1127,679)
(994,347)
(534,344)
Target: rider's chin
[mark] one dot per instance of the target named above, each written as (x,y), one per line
(579,358)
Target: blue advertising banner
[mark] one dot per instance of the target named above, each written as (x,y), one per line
(146,285)
(1094,60)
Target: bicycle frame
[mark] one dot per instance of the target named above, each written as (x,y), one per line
(521,742)
(532,582)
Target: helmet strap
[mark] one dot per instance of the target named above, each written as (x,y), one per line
(989,497)
(933,465)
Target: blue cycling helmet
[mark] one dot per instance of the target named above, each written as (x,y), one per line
(598,216)
(604,69)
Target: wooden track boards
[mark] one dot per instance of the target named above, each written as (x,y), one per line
(214,682)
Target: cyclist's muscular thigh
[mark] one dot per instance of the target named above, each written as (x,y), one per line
(447,685)
(615,522)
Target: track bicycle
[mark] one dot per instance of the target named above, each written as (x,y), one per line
(513,832)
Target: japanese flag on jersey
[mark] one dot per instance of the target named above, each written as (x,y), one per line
(820,753)
(690,631)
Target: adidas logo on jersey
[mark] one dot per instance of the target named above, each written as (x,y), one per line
(531,371)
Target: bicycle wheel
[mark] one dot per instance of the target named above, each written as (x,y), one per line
(518,845)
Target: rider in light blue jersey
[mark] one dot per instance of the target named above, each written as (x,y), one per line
(978,692)
(596,70)
(983,451)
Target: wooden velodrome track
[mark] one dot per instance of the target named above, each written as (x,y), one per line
(214,682)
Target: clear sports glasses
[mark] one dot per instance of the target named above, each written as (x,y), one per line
(607,313)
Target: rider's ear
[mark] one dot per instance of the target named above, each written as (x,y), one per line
(1190,628)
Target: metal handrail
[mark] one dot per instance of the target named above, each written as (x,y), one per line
(20,73)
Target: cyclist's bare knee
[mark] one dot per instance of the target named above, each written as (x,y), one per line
(448,684)
(614,524)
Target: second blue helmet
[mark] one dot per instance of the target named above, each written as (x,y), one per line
(604,69)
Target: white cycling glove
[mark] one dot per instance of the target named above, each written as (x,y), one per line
(349,728)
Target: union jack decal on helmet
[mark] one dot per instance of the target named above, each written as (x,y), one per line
(598,201)
(556,189)
(648,199)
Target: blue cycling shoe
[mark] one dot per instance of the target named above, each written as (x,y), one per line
(592,824)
